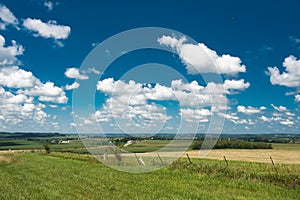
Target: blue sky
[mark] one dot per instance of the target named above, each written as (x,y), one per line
(44,43)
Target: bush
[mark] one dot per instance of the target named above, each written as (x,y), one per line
(47,148)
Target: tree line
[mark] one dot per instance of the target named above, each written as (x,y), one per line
(234,144)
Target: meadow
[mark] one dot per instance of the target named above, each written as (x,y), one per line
(74,176)
(69,172)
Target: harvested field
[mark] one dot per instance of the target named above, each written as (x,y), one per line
(253,155)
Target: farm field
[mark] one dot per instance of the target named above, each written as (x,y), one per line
(288,146)
(27,145)
(281,153)
(153,145)
(253,155)
(36,142)
(74,176)
(288,153)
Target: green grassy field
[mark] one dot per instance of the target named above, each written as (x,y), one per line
(286,146)
(22,144)
(152,145)
(73,176)
(19,144)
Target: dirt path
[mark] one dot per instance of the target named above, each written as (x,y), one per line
(19,151)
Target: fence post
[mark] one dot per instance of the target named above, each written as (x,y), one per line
(273,164)
(225,160)
(162,162)
(137,159)
(189,159)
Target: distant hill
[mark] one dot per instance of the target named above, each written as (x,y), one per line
(270,138)
(19,135)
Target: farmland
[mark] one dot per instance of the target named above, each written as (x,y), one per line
(69,172)
(283,150)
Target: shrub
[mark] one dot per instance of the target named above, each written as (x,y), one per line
(47,148)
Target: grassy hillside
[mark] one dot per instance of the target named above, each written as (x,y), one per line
(70,176)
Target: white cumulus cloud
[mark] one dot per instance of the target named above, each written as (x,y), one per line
(232,117)
(191,115)
(10,98)
(8,53)
(73,86)
(159,92)
(49,5)
(280,108)
(128,102)
(236,84)
(235,119)
(297,98)
(266,119)
(7,17)
(49,29)
(131,98)
(249,110)
(74,73)
(93,70)
(187,94)
(46,92)
(14,77)
(200,59)
(281,116)
(17,108)
(286,122)
(28,84)
(290,77)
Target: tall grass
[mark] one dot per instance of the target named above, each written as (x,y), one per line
(285,175)
(7,157)
(72,176)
